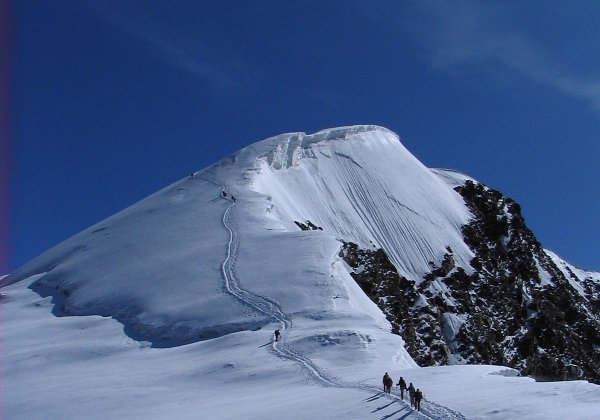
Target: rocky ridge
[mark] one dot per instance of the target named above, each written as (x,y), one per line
(514,305)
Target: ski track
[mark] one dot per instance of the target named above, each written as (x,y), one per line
(266,306)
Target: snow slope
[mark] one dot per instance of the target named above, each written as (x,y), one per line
(182,291)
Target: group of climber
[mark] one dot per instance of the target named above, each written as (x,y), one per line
(223,192)
(415,395)
(224,195)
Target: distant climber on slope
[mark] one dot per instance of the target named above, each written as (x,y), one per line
(418,398)
(387,383)
(224,194)
(277,335)
(402,384)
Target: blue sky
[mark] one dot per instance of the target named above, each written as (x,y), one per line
(113,100)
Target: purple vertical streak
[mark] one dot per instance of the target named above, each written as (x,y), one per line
(5,134)
(5,128)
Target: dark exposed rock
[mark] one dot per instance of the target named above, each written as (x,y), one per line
(308,226)
(548,329)
(396,296)
(516,308)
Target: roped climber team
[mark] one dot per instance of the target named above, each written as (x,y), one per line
(415,394)
(388,382)
(224,195)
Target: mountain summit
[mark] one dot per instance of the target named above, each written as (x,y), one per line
(341,237)
(154,267)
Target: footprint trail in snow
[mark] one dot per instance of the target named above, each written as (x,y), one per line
(266,306)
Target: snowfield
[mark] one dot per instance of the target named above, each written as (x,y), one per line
(167,309)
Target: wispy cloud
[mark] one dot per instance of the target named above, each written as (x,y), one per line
(166,44)
(482,34)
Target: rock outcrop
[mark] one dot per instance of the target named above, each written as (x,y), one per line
(515,305)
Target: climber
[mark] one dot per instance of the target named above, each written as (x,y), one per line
(277,335)
(402,384)
(411,394)
(387,383)
(418,398)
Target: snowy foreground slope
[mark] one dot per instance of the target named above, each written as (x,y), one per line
(166,310)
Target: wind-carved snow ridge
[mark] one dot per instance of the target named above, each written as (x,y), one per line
(264,305)
(290,148)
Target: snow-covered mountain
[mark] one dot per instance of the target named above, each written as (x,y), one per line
(365,259)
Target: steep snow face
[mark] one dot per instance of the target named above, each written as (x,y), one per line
(361,185)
